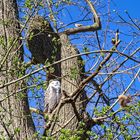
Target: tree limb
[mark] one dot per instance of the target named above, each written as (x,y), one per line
(96,26)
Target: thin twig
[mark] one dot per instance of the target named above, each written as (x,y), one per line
(70,57)
(96,26)
(126,88)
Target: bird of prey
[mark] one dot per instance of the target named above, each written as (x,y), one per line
(52,96)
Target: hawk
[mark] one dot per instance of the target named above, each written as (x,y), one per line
(52,96)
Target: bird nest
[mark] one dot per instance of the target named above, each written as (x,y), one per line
(43,42)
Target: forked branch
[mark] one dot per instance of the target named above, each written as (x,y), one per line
(96,26)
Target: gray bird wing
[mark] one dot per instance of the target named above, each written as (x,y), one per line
(46,101)
(58,95)
(52,100)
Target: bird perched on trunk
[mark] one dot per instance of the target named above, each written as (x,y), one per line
(52,96)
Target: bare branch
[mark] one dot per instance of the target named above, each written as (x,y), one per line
(126,88)
(96,26)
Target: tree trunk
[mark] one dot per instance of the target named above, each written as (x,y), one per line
(15,118)
(70,113)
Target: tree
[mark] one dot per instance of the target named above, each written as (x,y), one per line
(92,78)
(15,117)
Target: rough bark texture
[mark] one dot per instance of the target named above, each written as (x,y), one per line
(70,113)
(71,77)
(15,118)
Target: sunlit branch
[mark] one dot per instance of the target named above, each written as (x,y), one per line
(133,21)
(136,75)
(18,91)
(16,40)
(70,57)
(119,66)
(52,17)
(61,127)
(96,26)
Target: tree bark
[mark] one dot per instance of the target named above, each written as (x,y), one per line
(15,118)
(69,115)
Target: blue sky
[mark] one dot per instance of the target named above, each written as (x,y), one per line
(132,6)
